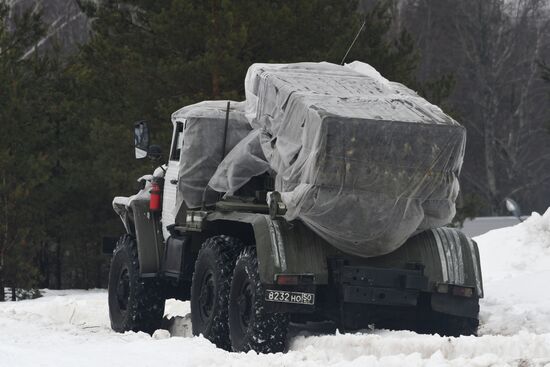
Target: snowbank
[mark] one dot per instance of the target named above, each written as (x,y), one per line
(516,274)
(71,328)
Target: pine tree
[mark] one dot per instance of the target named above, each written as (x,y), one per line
(146,58)
(24,153)
(68,155)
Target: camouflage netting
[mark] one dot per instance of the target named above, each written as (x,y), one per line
(203,147)
(364,162)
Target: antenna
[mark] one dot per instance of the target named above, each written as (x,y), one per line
(353,42)
(225,130)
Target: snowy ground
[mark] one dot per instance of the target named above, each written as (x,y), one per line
(71,328)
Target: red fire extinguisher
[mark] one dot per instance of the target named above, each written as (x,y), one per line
(154,202)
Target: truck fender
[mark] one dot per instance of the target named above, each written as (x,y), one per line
(149,238)
(447,255)
(145,226)
(120,206)
(282,247)
(450,257)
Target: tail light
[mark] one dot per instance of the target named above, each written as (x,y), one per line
(294,279)
(154,202)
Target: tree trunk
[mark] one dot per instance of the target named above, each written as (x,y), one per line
(13,297)
(2,294)
(44,265)
(4,243)
(490,168)
(215,82)
(215,69)
(58,266)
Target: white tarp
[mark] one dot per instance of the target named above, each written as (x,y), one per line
(203,147)
(364,162)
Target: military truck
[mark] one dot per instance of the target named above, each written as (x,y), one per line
(249,271)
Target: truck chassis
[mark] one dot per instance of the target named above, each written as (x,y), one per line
(248,273)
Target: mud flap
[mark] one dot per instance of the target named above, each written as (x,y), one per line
(457,306)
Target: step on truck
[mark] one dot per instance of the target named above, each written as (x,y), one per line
(248,271)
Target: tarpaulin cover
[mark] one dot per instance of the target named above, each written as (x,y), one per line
(203,147)
(245,161)
(364,162)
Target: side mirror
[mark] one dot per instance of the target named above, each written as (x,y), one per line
(141,139)
(513,208)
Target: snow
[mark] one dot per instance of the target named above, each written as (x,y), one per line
(71,328)
(516,271)
(366,69)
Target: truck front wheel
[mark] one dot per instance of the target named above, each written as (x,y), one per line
(250,326)
(134,303)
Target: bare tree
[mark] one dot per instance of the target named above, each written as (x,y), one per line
(493,48)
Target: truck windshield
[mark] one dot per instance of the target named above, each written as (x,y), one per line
(177,142)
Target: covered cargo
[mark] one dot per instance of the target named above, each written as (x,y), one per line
(364,162)
(205,143)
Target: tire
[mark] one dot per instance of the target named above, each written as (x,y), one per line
(210,288)
(251,328)
(135,304)
(449,325)
(457,326)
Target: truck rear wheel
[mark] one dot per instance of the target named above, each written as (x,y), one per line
(251,328)
(450,325)
(210,288)
(135,304)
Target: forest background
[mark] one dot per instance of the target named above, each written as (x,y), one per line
(75,75)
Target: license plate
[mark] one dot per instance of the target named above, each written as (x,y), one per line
(290,297)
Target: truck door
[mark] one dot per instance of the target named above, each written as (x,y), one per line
(171,179)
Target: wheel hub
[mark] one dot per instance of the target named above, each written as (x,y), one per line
(123,289)
(244,303)
(206,297)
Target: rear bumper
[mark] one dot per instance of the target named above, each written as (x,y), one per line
(359,295)
(356,285)
(378,286)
